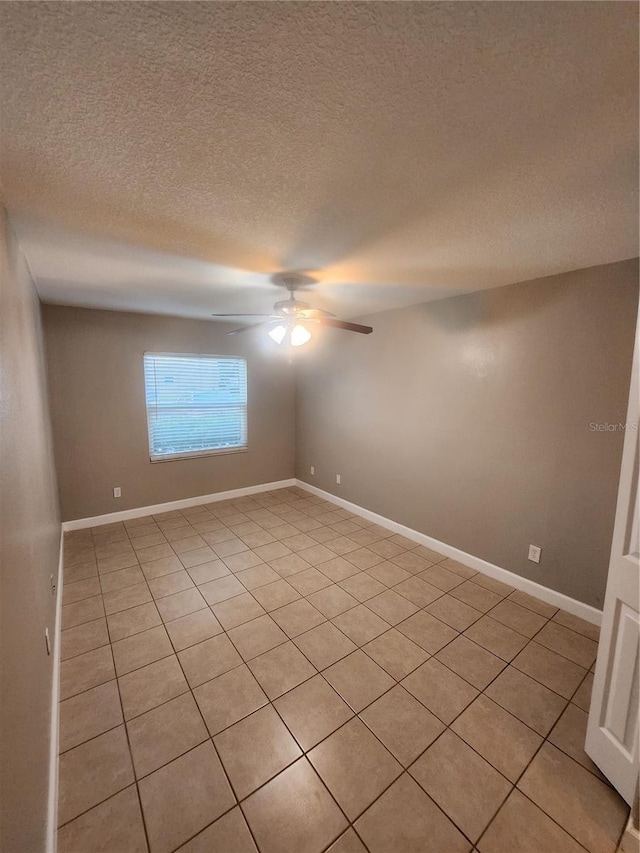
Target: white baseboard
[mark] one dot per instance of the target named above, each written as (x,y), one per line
(141,511)
(54,736)
(550,596)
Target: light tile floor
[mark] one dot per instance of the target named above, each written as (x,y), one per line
(275,673)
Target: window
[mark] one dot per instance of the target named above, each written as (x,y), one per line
(196,404)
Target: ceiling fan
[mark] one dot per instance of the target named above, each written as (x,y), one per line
(290,318)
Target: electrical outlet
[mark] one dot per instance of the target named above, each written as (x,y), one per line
(534,553)
(117,492)
(313,469)
(338,479)
(53,584)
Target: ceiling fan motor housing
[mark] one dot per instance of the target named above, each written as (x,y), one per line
(290,306)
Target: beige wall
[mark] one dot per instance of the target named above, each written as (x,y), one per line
(468,419)
(29,552)
(99,416)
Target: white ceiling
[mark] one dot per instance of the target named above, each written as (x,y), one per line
(169,157)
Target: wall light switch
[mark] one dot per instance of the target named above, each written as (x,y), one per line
(338,479)
(46,639)
(534,553)
(313,470)
(117,492)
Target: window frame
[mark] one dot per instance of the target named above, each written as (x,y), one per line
(194,454)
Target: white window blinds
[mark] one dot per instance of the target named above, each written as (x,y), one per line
(196,404)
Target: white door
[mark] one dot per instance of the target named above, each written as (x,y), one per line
(612,732)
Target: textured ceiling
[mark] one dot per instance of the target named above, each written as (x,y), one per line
(170,156)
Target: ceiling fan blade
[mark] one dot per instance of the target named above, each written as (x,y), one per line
(343,324)
(241,315)
(313,313)
(248,328)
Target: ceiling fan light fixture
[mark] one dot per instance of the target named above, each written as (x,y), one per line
(299,336)
(277,333)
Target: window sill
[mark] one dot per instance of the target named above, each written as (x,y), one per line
(180,457)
